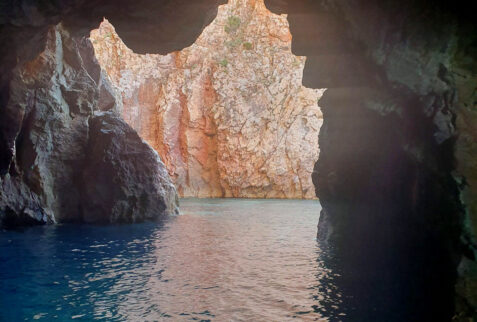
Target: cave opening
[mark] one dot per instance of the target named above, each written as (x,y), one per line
(228,115)
(395,178)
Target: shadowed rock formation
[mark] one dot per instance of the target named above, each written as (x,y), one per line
(70,165)
(387,175)
(123,179)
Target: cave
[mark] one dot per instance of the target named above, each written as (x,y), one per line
(395,176)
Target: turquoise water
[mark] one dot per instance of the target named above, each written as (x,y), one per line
(240,260)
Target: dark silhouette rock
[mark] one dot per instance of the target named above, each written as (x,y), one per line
(124,179)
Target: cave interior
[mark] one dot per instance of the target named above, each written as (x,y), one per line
(396,174)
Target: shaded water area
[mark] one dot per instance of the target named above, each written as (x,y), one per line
(220,260)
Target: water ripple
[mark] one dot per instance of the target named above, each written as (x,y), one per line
(220,260)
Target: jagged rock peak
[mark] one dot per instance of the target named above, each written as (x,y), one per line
(228,114)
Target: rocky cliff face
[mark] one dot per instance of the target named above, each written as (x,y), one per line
(64,149)
(228,114)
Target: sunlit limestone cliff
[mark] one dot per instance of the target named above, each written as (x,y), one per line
(228,114)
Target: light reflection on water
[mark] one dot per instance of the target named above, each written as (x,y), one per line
(220,260)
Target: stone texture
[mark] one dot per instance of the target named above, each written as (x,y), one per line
(228,114)
(464,71)
(53,98)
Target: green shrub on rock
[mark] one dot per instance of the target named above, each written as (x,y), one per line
(247,46)
(224,62)
(233,23)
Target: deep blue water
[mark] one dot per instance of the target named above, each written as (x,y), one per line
(254,260)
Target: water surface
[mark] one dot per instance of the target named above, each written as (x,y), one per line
(220,260)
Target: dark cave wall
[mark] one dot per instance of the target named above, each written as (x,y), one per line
(395,175)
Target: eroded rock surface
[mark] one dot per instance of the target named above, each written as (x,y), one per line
(62,152)
(228,115)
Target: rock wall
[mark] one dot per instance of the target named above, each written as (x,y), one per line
(64,147)
(464,71)
(392,179)
(228,114)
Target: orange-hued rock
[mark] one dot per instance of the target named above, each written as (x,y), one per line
(228,115)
